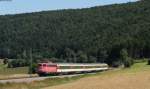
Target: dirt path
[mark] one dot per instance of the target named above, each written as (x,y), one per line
(139,80)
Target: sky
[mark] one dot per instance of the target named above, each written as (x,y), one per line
(27,6)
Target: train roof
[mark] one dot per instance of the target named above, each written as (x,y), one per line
(76,64)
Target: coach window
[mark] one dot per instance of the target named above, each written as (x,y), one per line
(44,65)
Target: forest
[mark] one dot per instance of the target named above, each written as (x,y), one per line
(89,35)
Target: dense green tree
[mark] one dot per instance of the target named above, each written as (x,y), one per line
(96,34)
(81,57)
(125,59)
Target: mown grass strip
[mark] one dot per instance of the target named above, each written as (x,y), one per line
(39,84)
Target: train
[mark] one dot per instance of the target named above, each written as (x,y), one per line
(67,68)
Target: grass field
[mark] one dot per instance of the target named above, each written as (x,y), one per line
(10,71)
(136,77)
(6,73)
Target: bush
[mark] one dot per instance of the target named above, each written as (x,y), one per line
(149,62)
(128,62)
(5,61)
(33,68)
(17,63)
(116,64)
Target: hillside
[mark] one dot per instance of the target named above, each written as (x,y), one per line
(94,34)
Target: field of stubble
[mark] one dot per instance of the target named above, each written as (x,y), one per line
(137,77)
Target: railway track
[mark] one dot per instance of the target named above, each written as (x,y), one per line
(31,79)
